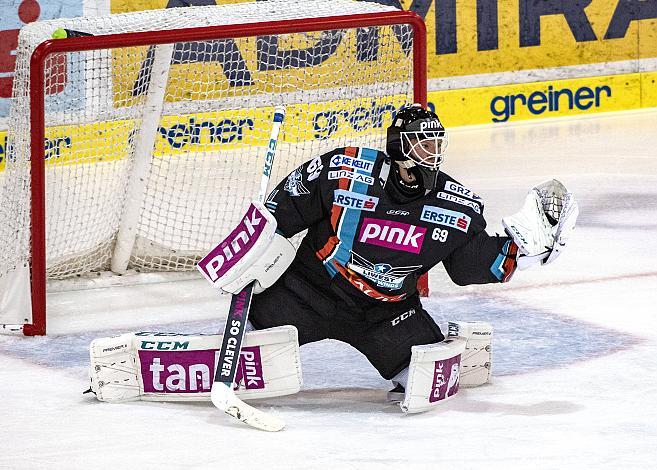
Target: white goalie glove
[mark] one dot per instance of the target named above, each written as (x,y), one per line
(542,227)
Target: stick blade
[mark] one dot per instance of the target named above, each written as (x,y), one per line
(225,399)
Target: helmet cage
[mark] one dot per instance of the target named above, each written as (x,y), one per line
(426,149)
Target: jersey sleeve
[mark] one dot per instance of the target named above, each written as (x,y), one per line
(482,259)
(298,201)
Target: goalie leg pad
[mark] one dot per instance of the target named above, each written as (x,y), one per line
(170,367)
(433,375)
(477,360)
(113,371)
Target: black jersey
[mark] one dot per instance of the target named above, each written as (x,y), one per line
(364,246)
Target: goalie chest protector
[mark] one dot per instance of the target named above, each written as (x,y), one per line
(362,238)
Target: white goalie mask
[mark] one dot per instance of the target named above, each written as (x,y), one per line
(418,141)
(425,148)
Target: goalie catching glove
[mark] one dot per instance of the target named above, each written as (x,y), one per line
(253,251)
(542,227)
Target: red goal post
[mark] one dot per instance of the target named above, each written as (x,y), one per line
(38,80)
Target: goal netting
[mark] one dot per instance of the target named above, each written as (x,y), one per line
(151,145)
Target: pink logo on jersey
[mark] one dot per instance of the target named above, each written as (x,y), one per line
(389,234)
(446,375)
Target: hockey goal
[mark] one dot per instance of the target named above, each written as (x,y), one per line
(138,145)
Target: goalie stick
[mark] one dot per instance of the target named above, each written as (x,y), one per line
(222,394)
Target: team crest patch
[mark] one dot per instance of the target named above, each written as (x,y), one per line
(382,274)
(352,175)
(350,162)
(294,184)
(445,217)
(353,200)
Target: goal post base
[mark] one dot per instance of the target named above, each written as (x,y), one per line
(423,285)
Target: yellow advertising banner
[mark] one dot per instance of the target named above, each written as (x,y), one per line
(126,6)
(470,37)
(208,134)
(465,38)
(648,89)
(239,68)
(518,102)
(212,132)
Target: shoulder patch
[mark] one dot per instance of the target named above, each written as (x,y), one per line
(475,206)
(445,217)
(460,190)
(294,184)
(354,200)
(351,162)
(352,175)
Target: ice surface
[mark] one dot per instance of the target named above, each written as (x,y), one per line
(575,374)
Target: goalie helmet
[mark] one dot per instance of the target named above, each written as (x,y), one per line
(418,140)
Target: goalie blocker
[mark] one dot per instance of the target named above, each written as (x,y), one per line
(176,367)
(253,251)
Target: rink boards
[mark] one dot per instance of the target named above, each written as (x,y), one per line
(226,130)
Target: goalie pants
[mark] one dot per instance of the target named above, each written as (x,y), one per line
(384,333)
